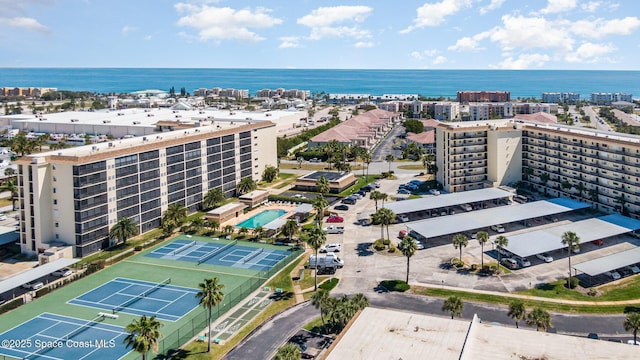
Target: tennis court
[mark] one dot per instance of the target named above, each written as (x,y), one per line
(139,297)
(220,252)
(50,336)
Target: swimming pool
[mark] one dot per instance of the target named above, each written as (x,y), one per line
(261,219)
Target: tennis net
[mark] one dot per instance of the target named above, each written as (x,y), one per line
(140,296)
(183,247)
(213,253)
(256,253)
(82,328)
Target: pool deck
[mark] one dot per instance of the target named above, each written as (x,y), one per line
(289,208)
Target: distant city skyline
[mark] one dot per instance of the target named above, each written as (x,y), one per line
(375,34)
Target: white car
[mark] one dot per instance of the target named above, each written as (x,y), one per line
(614,275)
(3,217)
(330,248)
(497,228)
(634,269)
(33,285)
(62,272)
(545,257)
(403,218)
(434,192)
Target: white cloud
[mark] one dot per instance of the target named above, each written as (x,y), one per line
(434,14)
(599,28)
(127,29)
(148,37)
(469,43)
(591,6)
(524,61)
(590,52)
(558,6)
(424,54)
(526,33)
(363,44)
(495,4)
(416,55)
(26,23)
(439,60)
(336,21)
(289,42)
(224,23)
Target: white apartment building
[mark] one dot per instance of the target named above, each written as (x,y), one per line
(598,167)
(560,97)
(74,196)
(602,98)
(486,111)
(446,111)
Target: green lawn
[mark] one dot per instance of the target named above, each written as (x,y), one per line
(628,289)
(411,167)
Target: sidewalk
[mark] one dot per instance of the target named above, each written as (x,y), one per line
(528,297)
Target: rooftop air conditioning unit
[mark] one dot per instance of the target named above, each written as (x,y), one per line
(94,148)
(111,144)
(120,114)
(150,115)
(145,139)
(106,121)
(74,120)
(136,123)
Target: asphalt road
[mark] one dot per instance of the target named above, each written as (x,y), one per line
(263,343)
(386,145)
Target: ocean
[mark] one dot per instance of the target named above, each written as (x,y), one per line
(430,83)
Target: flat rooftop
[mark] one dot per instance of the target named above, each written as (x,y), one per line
(227,207)
(390,334)
(480,219)
(329,175)
(447,200)
(550,239)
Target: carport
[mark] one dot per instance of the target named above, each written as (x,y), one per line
(34,274)
(610,262)
(550,239)
(500,215)
(447,200)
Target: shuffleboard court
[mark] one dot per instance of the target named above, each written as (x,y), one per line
(220,252)
(138,297)
(53,337)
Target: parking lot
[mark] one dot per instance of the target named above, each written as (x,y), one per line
(364,268)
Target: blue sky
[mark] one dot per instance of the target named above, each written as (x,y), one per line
(366,34)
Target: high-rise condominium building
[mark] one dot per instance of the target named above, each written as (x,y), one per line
(74,196)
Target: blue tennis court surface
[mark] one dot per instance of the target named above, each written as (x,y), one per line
(225,254)
(51,336)
(138,297)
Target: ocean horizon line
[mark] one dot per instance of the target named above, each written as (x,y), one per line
(300,68)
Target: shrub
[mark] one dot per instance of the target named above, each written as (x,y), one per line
(43,291)
(11,304)
(395,285)
(574,283)
(137,248)
(392,249)
(592,292)
(329,285)
(474,267)
(386,242)
(379,245)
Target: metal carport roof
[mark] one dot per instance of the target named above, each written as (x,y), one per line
(446,200)
(275,224)
(550,239)
(610,262)
(499,215)
(15,281)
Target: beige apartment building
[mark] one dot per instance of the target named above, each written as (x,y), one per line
(74,196)
(598,167)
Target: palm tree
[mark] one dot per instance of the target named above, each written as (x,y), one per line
(196,225)
(269,174)
(460,241)
(228,230)
(124,229)
(632,323)
(389,159)
(316,239)
(10,186)
(377,195)
(360,301)
(213,225)
(482,237)
(540,318)
(572,241)
(319,300)
(174,216)
(143,335)
(501,241)
(290,228)
(319,204)
(210,295)
(428,161)
(243,231)
(385,217)
(289,351)
(366,158)
(517,311)
(258,232)
(246,185)
(408,247)
(323,186)
(453,305)
(212,198)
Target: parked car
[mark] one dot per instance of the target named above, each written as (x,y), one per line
(367,188)
(545,257)
(599,242)
(634,269)
(315,160)
(403,218)
(614,275)
(3,217)
(33,285)
(523,262)
(62,272)
(434,192)
(349,200)
(335,219)
(376,185)
(357,196)
(341,207)
(404,191)
(419,245)
(497,228)
(330,248)
(402,234)
(509,263)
